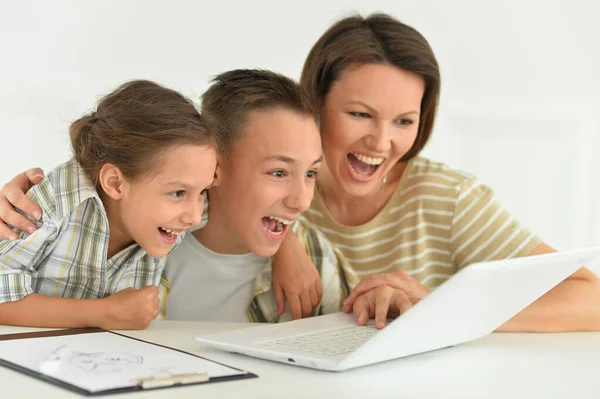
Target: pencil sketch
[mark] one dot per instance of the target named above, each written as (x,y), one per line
(106,362)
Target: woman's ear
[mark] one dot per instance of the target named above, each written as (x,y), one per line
(112,181)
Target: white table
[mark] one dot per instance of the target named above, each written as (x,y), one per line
(498,366)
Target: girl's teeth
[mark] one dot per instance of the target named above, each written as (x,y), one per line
(368,160)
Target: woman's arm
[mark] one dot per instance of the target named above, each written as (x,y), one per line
(13,195)
(573,305)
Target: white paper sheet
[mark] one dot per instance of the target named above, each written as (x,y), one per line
(102,361)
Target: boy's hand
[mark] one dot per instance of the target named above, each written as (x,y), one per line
(295,278)
(131,309)
(13,195)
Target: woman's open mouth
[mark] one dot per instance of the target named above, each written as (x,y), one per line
(363,167)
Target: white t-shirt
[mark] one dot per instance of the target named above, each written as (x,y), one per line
(205,285)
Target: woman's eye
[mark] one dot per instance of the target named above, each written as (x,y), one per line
(311,174)
(404,122)
(177,194)
(277,173)
(360,114)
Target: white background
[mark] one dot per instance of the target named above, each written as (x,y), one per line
(520,95)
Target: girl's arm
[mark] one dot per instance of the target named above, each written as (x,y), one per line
(129,309)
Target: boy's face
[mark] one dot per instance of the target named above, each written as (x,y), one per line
(267,180)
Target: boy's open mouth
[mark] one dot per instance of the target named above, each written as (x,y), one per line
(275,225)
(168,234)
(362,166)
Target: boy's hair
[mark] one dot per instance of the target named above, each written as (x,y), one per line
(132,126)
(234,95)
(376,39)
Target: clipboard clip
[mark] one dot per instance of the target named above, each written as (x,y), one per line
(166,379)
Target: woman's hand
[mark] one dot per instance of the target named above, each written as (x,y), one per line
(13,195)
(383,302)
(411,292)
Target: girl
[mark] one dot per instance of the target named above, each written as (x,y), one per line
(142,163)
(375,82)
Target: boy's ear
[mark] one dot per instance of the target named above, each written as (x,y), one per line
(112,181)
(217,178)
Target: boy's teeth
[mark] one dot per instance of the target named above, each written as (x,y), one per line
(169,231)
(368,160)
(281,220)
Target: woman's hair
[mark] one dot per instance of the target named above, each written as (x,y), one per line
(376,39)
(132,126)
(234,95)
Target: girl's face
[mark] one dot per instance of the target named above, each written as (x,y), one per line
(369,120)
(156,208)
(267,181)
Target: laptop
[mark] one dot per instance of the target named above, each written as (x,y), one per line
(471,304)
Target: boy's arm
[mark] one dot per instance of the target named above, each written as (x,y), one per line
(336,275)
(13,195)
(295,276)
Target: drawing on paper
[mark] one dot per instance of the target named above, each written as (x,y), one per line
(105,362)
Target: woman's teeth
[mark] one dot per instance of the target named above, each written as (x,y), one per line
(368,160)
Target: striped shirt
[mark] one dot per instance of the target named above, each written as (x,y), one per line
(66,256)
(336,276)
(437,221)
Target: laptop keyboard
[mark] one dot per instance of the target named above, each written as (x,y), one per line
(327,342)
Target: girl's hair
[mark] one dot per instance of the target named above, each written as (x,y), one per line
(235,94)
(376,39)
(132,126)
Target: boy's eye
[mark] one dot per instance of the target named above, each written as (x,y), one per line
(360,114)
(177,194)
(277,173)
(311,174)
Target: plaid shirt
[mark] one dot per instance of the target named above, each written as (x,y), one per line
(66,256)
(337,279)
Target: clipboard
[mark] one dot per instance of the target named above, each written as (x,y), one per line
(97,365)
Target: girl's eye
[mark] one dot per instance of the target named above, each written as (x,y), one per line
(177,194)
(404,122)
(311,174)
(360,114)
(277,173)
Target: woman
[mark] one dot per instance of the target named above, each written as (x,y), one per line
(376,83)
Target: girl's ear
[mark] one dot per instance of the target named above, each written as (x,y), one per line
(112,181)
